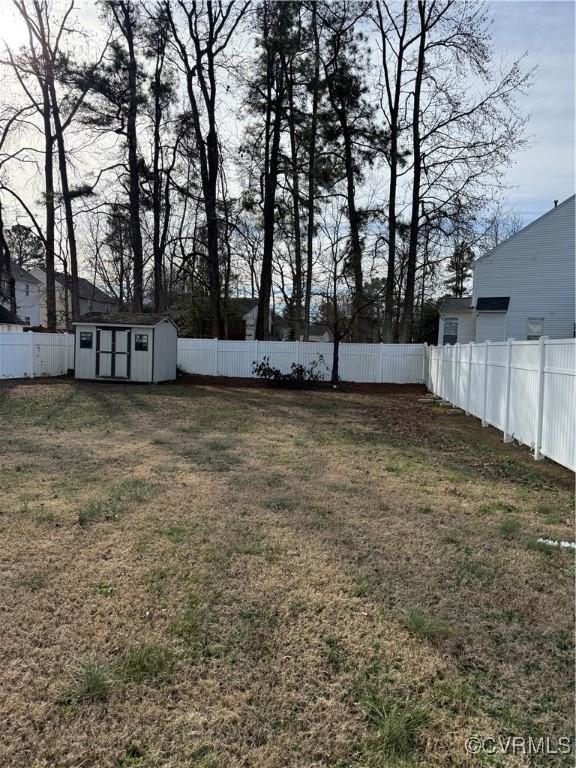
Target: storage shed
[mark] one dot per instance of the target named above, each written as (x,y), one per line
(126,347)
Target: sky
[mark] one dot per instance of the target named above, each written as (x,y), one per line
(544,30)
(545,171)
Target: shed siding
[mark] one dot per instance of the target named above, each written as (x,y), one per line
(165,346)
(141,362)
(536,268)
(85,359)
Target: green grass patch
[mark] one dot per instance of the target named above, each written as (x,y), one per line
(91,682)
(396,724)
(422,624)
(106,590)
(146,663)
(110,506)
(509,527)
(191,626)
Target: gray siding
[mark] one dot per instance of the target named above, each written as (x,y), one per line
(85,359)
(165,350)
(466,327)
(140,361)
(536,269)
(491,326)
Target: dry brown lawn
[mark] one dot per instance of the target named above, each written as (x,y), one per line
(211,577)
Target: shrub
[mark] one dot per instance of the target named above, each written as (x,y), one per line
(300,376)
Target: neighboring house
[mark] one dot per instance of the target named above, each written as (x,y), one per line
(8,321)
(248,310)
(316,332)
(192,314)
(523,289)
(27,294)
(92,299)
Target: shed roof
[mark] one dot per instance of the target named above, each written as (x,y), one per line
(492,303)
(456,304)
(122,318)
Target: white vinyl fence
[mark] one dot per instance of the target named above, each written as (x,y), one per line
(527,389)
(377,363)
(28,354)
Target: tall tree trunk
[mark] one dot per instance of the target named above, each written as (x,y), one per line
(134,188)
(408,310)
(275,74)
(157,194)
(353,222)
(68,213)
(50,213)
(312,176)
(393,91)
(296,319)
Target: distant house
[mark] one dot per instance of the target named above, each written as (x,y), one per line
(92,298)
(523,289)
(8,321)
(193,316)
(27,293)
(316,332)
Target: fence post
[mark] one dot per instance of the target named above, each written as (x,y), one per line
(485,407)
(424,364)
(31,354)
(507,436)
(540,402)
(456,400)
(381,362)
(215,357)
(469,390)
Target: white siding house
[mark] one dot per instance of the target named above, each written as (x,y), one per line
(525,287)
(27,293)
(91,298)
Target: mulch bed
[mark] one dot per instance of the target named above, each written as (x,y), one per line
(196,380)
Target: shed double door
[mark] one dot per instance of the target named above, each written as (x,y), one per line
(113,353)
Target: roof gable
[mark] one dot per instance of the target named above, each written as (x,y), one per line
(522,232)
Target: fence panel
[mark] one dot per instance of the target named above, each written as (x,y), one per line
(527,389)
(376,363)
(28,354)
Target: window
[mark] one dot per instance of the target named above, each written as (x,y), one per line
(450,330)
(85,339)
(26,321)
(27,289)
(535,328)
(141,342)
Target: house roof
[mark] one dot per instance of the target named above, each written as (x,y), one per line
(492,303)
(21,274)
(455,304)
(551,212)
(242,306)
(7,318)
(122,318)
(86,289)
